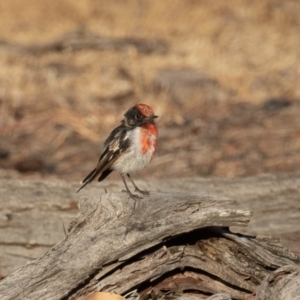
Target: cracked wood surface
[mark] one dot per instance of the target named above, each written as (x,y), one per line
(33,214)
(282,284)
(108,231)
(206,261)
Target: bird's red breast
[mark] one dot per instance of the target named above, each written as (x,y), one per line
(149,133)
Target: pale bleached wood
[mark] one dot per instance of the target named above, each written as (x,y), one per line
(112,247)
(219,297)
(282,284)
(33,213)
(219,262)
(109,229)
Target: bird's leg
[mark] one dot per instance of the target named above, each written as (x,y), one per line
(136,188)
(133,196)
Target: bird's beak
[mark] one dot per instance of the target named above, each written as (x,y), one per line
(154,117)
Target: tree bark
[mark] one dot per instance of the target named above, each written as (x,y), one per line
(170,243)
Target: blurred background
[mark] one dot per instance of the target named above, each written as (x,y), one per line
(223,76)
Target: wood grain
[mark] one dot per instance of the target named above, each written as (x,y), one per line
(112,247)
(108,230)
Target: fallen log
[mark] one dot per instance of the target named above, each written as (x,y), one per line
(171,243)
(33,213)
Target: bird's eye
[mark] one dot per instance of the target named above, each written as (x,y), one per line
(138,116)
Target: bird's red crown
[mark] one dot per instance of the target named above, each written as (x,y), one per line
(145,109)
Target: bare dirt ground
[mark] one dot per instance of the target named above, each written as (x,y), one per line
(223,77)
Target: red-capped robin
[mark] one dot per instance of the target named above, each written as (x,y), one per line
(130,147)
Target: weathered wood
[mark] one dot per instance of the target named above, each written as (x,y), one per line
(207,261)
(32,219)
(220,296)
(282,284)
(33,213)
(168,244)
(108,232)
(194,252)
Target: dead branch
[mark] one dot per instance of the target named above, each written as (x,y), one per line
(171,243)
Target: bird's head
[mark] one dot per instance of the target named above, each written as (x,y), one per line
(139,115)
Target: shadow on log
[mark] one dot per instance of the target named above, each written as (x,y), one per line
(170,245)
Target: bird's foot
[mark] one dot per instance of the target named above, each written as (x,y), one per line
(133,196)
(142,192)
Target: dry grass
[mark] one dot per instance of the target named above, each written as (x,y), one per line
(57,107)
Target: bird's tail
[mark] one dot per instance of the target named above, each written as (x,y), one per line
(88,179)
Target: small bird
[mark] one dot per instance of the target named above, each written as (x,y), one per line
(130,147)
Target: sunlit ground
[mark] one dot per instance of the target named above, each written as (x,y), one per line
(225,85)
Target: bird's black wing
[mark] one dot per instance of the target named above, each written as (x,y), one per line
(116,143)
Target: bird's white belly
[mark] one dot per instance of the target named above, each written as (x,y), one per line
(133,159)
